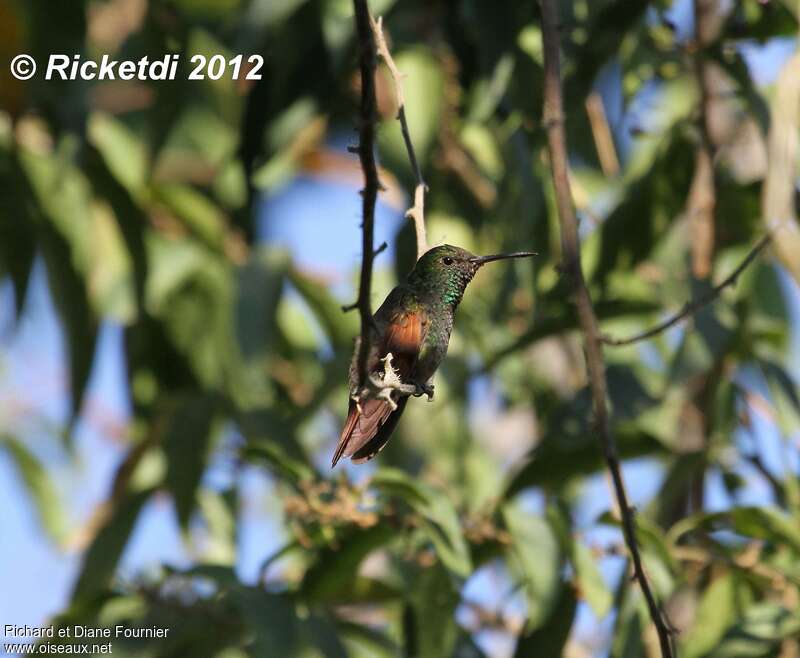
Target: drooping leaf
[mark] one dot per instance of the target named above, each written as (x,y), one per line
(534,557)
(716,613)
(440,520)
(333,573)
(592,586)
(39,485)
(760,631)
(767,523)
(550,638)
(429,624)
(186,443)
(101,558)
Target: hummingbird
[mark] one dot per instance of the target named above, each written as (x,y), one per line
(413,325)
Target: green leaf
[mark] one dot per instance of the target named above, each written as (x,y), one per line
(61,202)
(340,327)
(69,293)
(102,556)
(192,294)
(535,559)
(283,465)
(122,151)
(365,642)
(716,613)
(760,632)
(440,520)
(270,619)
(767,523)
(197,212)
(17,229)
(260,284)
(186,443)
(429,624)
(551,638)
(570,449)
(679,474)
(423,88)
(39,485)
(219,513)
(332,576)
(592,586)
(630,622)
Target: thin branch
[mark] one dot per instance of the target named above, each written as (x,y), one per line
(417,214)
(554,122)
(778,192)
(601,132)
(417,211)
(366,154)
(702,201)
(690,308)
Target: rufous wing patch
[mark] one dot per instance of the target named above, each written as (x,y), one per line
(403,337)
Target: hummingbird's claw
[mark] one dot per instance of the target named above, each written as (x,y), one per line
(424,389)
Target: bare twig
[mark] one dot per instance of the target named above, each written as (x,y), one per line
(702,201)
(601,132)
(417,214)
(417,211)
(700,211)
(690,308)
(366,154)
(554,123)
(778,201)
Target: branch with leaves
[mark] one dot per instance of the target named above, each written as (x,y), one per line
(690,308)
(556,137)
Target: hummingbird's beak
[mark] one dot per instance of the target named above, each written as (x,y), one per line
(482,260)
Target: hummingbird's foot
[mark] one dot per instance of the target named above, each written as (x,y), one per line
(424,389)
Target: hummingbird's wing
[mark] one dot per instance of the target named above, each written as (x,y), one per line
(370,423)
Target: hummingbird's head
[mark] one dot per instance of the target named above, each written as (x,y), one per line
(447,270)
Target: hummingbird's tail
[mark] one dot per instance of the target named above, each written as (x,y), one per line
(366,431)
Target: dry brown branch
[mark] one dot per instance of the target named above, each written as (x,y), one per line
(690,308)
(603,139)
(702,201)
(700,212)
(556,137)
(366,154)
(778,203)
(417,212)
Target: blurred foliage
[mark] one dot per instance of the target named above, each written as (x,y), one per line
(141,199)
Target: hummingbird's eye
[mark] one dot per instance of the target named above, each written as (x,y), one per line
(447,260)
